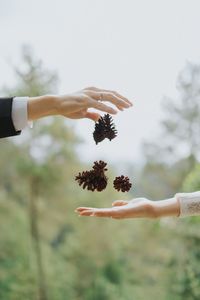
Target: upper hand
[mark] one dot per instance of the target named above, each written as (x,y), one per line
(136,208)
(76,105)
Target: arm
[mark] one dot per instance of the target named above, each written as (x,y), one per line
(136,208)
(76,105)
(187,204)
(16,112)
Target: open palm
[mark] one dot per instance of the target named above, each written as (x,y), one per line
(121,209)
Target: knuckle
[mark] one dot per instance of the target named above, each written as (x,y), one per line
(90,88)
(85,99)
(87,93)
(100,105)
(110,94)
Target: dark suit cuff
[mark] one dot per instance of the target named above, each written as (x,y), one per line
(6,124)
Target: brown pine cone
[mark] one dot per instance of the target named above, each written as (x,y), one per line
(99,132)
(86,180)
(99,167)
(111,132)
(94,179)
(104,128)
(122,183)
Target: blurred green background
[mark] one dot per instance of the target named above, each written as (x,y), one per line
(48,253)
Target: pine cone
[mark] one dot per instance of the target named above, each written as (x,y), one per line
(111,132)
(86,179)
(122,183)
(99,132)
(99,167)
(94,179)
(100,183)
(104,128)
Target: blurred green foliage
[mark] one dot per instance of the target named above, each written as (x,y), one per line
(192,181)
(47,252)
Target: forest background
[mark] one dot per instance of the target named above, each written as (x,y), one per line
(140,49)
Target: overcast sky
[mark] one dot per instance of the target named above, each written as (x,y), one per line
(136,47)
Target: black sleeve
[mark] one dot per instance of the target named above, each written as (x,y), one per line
(6,124)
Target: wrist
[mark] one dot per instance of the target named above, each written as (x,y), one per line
(166,208)
(42,106)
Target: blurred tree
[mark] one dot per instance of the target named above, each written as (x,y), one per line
(32,78)
(192,181)
(41,154)
(176,150)
(85,258)
(186,268)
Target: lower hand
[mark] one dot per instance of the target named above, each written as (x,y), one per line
(136,208)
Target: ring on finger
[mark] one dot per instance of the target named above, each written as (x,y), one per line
(101,97)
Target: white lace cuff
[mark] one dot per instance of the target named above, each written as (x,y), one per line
(189,203)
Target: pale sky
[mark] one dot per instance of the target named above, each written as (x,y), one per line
(136,47)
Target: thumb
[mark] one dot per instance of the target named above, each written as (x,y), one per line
(119,203)
(92,116)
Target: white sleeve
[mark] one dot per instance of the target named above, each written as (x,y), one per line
(189,203)
(20,114)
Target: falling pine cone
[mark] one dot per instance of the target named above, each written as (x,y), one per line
(104,128)
(122,184)
(100,167)
(99,182)
(94,179)
(85,179)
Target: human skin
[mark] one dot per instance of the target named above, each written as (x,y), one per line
(136,208)
(76,105)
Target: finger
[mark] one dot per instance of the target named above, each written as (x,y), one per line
(79,209)
(92,116)
(100,212)
(87,213)
(122,97)
(108,96)
(125,99)
(102,107)
(120,108)
(119,203)
(110,91)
